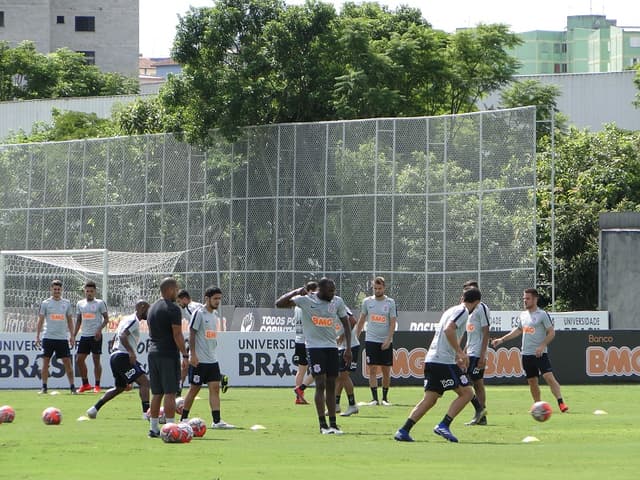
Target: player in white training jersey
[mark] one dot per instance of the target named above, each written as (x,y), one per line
(444,369)
(476,349)
(320,314)
(303,378)
(55,314)
(536,327)
(203,360)
(379,313)
(124,363)
(92,317)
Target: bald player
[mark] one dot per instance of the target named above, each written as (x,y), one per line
(321,312)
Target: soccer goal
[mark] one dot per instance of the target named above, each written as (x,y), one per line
(121,279)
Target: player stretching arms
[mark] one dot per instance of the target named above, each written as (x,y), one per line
(92,317)
(476,349)
(344,377)
(320,313)
(444,367)
(303,378)
(203,362)
(379,311)
(55,315)
(124,365)
(536,327)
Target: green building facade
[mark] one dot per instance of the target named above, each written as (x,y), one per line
(591,43)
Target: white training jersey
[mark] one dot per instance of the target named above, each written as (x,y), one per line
(534,327)
(55,318)
(130,324)
(478,319)
(378,314)
(440,350)
(206,325)
(189,310)
(91,313)
(319,319)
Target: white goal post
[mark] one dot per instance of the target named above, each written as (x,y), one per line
(121,278)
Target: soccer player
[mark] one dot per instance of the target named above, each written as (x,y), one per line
(321,312)
(444,368)
(188,309)
(55,314)
(344,377)
(303,378)
(476,349)
(166,342)
(92,317)
(536,327)
(124,364)
(203,362)
(379,312)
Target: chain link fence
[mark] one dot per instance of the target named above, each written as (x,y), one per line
(426,202)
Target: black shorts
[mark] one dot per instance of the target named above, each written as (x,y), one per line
(123,372)
(323,361)
(88,345)
(473,371)
(535,366)
(164,372)
(377,356)
(59,347)
(300,355)
(439,377)
(352,367)
(204,373)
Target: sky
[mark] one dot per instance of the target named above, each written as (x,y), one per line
(158,18)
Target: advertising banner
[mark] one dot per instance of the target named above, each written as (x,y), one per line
(265,359)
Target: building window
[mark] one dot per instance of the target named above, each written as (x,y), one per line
(635,61)
(60,19)
(1,19)
(85,24)
(559,68)
(89,56)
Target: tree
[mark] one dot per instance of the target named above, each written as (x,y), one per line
(67,125)
(544,97)
(254,62)
(28,74)
(636,81)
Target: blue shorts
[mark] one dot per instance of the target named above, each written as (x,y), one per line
(439,377)
(535,366)
(123,372)
(323,361)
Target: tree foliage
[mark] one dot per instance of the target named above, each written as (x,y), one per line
(252,62)
(28,74)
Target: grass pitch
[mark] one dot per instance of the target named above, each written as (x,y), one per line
(577,445)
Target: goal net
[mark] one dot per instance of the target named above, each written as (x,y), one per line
(121,279)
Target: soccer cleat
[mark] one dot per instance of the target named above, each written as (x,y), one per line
(326,431)
(563,407)
(402,436)
(43,391)
(373,403)
(145,417)
(153,434)
(336,430)
(97,389)
(444,432)
(386,403)
(224,383)
(482,421)
(300,400)
(92,412)
(73,391)
(479,415)
(351,410)
(222,425)
(85,388)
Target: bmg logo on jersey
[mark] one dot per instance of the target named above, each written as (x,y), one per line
(262,363)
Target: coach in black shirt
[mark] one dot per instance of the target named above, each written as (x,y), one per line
(166,342)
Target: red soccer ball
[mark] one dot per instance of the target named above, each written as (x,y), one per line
(52,416)
(541,411)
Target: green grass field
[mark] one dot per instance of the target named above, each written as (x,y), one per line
(574,445)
